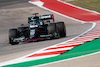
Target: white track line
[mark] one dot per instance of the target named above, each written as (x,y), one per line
(21,58)
(67,59)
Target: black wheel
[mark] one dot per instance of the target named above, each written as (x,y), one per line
(62,29)
(13,33)
(53,29)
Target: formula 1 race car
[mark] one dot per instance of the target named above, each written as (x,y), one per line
(38,28)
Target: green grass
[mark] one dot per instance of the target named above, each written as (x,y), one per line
(88,4)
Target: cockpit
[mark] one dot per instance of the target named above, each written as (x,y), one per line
(36,22)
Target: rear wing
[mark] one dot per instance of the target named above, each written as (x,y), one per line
(43,17)
(47,17)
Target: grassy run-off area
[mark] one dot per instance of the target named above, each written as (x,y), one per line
(88,4)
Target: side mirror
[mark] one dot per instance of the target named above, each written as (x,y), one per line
(22,24)
(48,21)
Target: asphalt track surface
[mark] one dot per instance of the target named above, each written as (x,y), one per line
(14,13)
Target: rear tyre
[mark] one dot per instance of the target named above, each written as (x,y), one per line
(13,33)
(53,29)
(62,29)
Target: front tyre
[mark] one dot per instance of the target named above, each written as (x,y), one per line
(13,33)
(53,29)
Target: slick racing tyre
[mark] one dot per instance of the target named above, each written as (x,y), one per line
(62,29)
(53,29)
(13,33)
